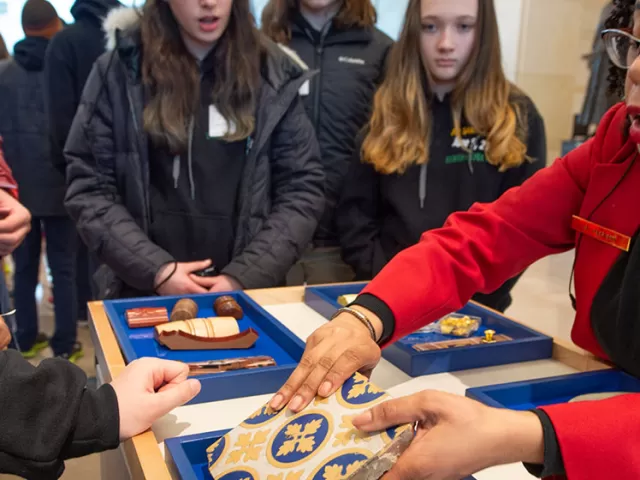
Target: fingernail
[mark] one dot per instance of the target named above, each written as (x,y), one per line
(325,389)
(276,403)
(195,386)
(296,403)
(363,419)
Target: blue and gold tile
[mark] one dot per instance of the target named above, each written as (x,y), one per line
(319,443)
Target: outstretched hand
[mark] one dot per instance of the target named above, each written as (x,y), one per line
(456,436)
(148,389)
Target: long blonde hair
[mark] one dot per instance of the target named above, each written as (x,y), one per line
(402,120)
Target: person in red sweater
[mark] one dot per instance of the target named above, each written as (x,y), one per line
(587,200)
(48,413)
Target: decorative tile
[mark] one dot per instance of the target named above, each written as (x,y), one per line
(319,443)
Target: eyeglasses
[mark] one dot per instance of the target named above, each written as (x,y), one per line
(622,47)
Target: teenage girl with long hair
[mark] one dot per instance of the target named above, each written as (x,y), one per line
(192,150)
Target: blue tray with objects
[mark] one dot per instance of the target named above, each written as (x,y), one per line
(189,454)
(525,345)
(274,340)
(552,391)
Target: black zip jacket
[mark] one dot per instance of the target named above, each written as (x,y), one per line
(47,415)
(69,60)
(24,126)
(279,198)
(350,65)
(380,215)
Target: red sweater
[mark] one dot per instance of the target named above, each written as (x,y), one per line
(478,250)
(7,182)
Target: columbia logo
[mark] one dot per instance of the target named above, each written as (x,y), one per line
(353,61)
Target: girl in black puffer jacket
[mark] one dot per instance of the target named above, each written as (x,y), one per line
(191,147)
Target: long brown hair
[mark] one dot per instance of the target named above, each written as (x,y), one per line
(4,53)
(401,119)
(172,75)
(278,15)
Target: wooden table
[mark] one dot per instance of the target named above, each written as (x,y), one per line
(143,457)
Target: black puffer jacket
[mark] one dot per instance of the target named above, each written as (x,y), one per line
(280,197)
(351,65)
(70,57)
(24,126)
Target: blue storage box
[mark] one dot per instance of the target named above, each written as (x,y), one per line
(274,340)
(550,391)
(527,344)
(189,454)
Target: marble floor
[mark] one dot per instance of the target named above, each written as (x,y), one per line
(541,300)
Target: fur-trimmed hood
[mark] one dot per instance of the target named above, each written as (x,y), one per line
(123,19)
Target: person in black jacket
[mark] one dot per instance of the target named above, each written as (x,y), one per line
(24,126)
(191,147)
(337,38)
(448,130)
(69,59)
(47,413)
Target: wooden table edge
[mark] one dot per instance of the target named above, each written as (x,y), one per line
(142,453)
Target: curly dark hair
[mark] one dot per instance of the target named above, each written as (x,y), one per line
(621,17)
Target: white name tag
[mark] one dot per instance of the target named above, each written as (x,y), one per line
(218,125)
(305,89)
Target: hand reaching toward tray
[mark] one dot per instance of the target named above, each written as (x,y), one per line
(149,388)
(445,422)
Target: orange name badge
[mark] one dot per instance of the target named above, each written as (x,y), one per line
(603,234)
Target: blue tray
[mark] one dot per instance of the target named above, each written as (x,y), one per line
(527,344)
(189,454)
(275,340)
(554,390)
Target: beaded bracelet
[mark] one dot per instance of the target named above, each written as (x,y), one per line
(360,316)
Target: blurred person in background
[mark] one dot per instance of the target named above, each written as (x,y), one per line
(68,62)
(24,127)
(338,38)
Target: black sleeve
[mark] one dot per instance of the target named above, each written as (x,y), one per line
(61,98)
(382,310)
(357,218)
(536,149)
(93,199)
(553,463)
(48,415)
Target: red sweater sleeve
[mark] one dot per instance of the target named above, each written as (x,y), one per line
(7,182)
(599,440)
(476,251)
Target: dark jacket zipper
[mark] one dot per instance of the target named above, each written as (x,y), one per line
(317,65)
(316,99)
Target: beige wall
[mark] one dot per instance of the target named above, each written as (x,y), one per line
(554,35)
